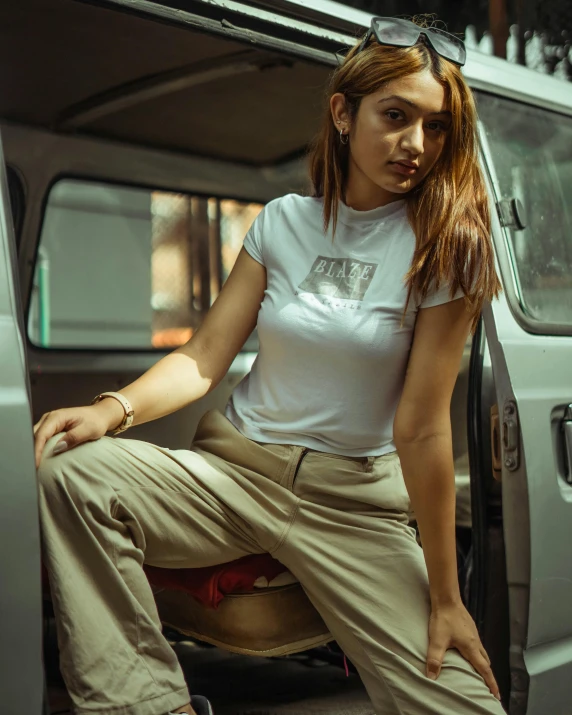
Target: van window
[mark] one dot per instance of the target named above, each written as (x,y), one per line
(129,268)
(532,153)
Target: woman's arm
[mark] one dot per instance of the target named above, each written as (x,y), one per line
(422,433)
(181,377)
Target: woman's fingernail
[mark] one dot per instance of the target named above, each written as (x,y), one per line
(60,447)
(432,676)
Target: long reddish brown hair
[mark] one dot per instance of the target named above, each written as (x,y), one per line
(448,210)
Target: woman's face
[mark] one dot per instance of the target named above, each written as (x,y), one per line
(395,139)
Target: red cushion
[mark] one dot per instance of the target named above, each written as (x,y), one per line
(211,584)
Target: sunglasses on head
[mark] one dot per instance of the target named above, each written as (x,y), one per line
(396,32)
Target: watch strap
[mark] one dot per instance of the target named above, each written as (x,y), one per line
(124,402)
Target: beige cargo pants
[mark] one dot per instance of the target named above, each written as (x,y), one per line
(337,523)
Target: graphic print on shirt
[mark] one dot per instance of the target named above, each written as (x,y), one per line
(344,278)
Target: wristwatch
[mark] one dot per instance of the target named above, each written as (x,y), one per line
(124,402)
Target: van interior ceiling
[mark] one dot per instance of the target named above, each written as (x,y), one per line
(154,84)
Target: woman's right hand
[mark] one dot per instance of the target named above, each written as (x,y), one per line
(80,424)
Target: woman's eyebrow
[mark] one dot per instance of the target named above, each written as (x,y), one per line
(393,97)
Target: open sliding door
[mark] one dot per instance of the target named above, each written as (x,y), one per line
(529,332)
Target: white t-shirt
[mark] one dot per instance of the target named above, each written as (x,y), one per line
(331,365)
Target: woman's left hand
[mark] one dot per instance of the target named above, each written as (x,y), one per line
(451,626)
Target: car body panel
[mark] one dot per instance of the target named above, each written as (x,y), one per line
(20,601)
(532,372)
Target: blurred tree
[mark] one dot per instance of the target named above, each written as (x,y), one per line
(455,15)
(549,20)
(498,26)
(553,19)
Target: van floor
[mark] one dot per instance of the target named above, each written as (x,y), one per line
(244,685)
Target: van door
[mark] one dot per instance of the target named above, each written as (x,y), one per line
(21,682)
(529,330)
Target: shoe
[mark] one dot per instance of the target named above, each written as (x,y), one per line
(200,705)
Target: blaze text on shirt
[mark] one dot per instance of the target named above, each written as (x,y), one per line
(345,278)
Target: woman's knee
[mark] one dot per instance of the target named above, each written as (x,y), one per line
(67,471)
(49,463)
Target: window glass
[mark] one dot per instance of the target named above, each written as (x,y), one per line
(122,267)
(532,153)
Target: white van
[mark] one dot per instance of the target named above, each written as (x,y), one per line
(139,141)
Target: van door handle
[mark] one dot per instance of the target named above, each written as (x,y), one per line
(567,433)
(496,443)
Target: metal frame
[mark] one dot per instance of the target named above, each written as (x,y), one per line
(228,29)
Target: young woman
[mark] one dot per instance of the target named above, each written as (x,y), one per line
(364,296)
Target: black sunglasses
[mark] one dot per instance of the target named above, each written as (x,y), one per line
(403,33)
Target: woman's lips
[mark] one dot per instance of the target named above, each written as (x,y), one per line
(406,169)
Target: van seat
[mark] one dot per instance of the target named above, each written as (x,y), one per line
(253,605)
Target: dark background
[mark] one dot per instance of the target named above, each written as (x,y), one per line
(551,20)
